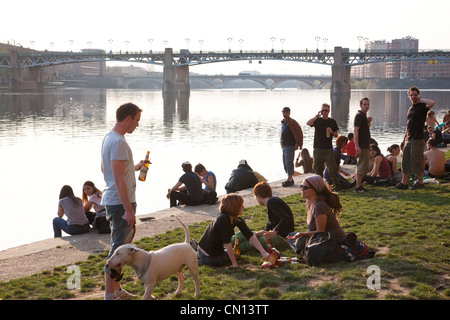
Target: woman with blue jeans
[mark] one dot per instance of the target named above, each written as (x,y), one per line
(72,207)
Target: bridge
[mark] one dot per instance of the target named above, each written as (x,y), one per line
(176,64)
(267,81)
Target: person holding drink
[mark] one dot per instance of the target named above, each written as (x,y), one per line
(325,129)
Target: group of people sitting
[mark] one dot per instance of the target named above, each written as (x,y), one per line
(385,171)
(188,189)
(215,247)
(78,211)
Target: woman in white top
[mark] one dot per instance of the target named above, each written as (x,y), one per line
(72,207)
(92,199)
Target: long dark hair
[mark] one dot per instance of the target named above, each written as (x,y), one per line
(67,192)
(322,189)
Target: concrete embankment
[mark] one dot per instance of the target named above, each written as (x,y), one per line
(44,255)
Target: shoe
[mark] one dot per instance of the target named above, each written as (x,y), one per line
(400,186)
(288,183)
(417,185)
(123,295)
(337,189)
(360,189)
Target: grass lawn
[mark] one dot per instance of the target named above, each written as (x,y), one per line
(409,230)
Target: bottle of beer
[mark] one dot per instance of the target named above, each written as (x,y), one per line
(144,168)
(237,250)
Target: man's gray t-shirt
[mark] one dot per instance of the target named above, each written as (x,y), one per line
(115,147)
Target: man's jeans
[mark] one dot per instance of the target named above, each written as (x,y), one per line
(288,159)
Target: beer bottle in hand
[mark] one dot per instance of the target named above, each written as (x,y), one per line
(144,168)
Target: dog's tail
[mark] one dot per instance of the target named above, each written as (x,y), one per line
(187,238)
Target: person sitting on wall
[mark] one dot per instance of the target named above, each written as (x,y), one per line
(241,178)
(191,193)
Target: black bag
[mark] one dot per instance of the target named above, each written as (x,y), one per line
(209,197)
(320,248)
(101,224)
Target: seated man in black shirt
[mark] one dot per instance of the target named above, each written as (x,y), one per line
(191,193)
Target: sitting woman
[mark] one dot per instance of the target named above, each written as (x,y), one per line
(394,151)
(382,169)
(306,162)
(92,198)
(219,232)
(324,208)
(72,207)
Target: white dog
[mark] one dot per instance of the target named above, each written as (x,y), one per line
(155,266)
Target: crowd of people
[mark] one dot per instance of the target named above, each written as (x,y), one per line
(117,202)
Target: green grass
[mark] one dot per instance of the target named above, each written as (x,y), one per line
(409,230)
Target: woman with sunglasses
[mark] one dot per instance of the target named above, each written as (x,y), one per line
(324,208)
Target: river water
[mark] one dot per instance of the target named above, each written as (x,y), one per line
(53,138)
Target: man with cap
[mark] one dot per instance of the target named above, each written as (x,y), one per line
(191,193)
(241,178)
(291,140)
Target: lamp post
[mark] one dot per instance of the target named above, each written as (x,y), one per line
(229,44)
(360,38)
(325,40)
(273,41)
(187,43)
(126,45)
(110,45)
(317,40)
(282,40)
(150,41)
(241,41)
(200,42)
(32,43)
(71,45)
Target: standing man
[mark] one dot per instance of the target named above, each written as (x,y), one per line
(291,140)
(414,141)
(119,196)
(361,134)
(325,129)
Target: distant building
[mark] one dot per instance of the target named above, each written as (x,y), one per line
(431,69)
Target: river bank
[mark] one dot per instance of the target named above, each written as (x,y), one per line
(44,255)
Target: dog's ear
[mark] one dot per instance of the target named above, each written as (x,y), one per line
(131,250)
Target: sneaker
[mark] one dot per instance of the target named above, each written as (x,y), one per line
(288,183)
(123,295)
(400,186)
(360,189)
(417,185)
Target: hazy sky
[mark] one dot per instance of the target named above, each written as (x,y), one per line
(296,21)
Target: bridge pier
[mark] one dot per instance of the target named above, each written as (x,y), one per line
(340,74)
(19,82)
(176,79)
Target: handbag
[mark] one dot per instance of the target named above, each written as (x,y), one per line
(320,248)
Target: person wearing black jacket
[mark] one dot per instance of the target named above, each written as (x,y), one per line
(241,178)
(280,220)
